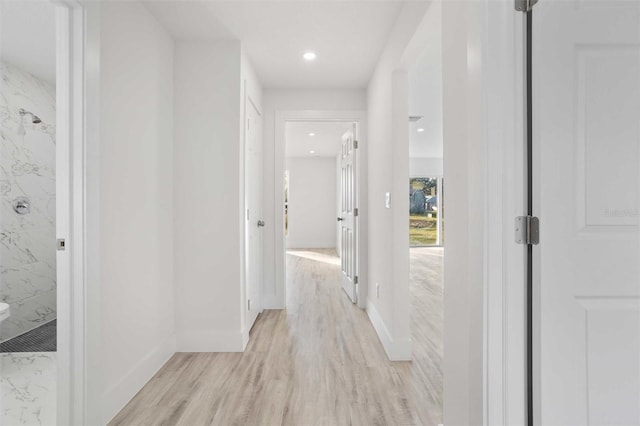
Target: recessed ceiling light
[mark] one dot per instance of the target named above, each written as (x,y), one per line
(312,152)
(421,129)
(312,134)
(309,56)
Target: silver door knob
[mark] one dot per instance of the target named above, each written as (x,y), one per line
(340,219)
(260,223)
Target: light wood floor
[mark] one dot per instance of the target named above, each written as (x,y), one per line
(317,363)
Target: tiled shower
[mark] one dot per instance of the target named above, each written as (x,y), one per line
(27,175)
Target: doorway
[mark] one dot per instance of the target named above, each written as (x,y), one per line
(426,205)
(43,263)
(311,231)
(254,223)
(29,163)
(42,158)
(320,197)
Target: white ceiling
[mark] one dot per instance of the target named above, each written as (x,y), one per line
(28,36)
(327,141)
(188,20)
(347,36)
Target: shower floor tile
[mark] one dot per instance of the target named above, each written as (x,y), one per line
(41,339)
(28,388)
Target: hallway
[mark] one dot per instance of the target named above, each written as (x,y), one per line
(318,362)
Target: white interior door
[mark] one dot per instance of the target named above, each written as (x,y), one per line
(347,219)
(254,223)
(586,65)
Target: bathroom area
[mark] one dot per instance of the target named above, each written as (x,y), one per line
(28,282)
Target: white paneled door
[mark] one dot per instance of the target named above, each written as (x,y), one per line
(586,115)
(347,219)
(254,214)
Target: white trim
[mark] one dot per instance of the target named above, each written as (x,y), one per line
(63,212)
(504,338)
(278,301)
(245,337)
(212,341)
(116,397)
(70,60)
(247,320)
(88,391)
(396,350)
(244,267)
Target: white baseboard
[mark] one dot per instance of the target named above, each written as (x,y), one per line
(118,395)
(210,341)
(397,350)
(245,339)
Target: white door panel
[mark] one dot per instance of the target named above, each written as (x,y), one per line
(348,240)
(586,65)
(253,194)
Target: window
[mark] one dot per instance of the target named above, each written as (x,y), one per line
(426,218)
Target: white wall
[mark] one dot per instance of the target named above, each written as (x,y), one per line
(425,99)
(465,175)
(290,100)
(466,179)
(426,167)
(208,196)
(312,202)
(425,89)
(136,197)
(388,171)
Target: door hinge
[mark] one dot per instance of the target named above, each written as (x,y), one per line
(355,280)
(355,144)
(525,5)
(61,244)
(356,212)
(249,305)
(527,230)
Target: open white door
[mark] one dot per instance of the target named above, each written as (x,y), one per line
(347,219)
(586,115)
(254,223)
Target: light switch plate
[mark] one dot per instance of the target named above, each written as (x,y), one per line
(387,200)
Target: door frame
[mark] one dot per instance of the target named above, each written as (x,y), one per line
(351,142)
(281,119)
(249,102)
(484,361)
(505,292)
(77,82)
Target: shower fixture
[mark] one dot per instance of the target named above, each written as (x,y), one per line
(21,205)
(34,118)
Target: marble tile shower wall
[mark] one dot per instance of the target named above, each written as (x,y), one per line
(27,168)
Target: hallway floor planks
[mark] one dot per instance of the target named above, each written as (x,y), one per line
(317,363)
